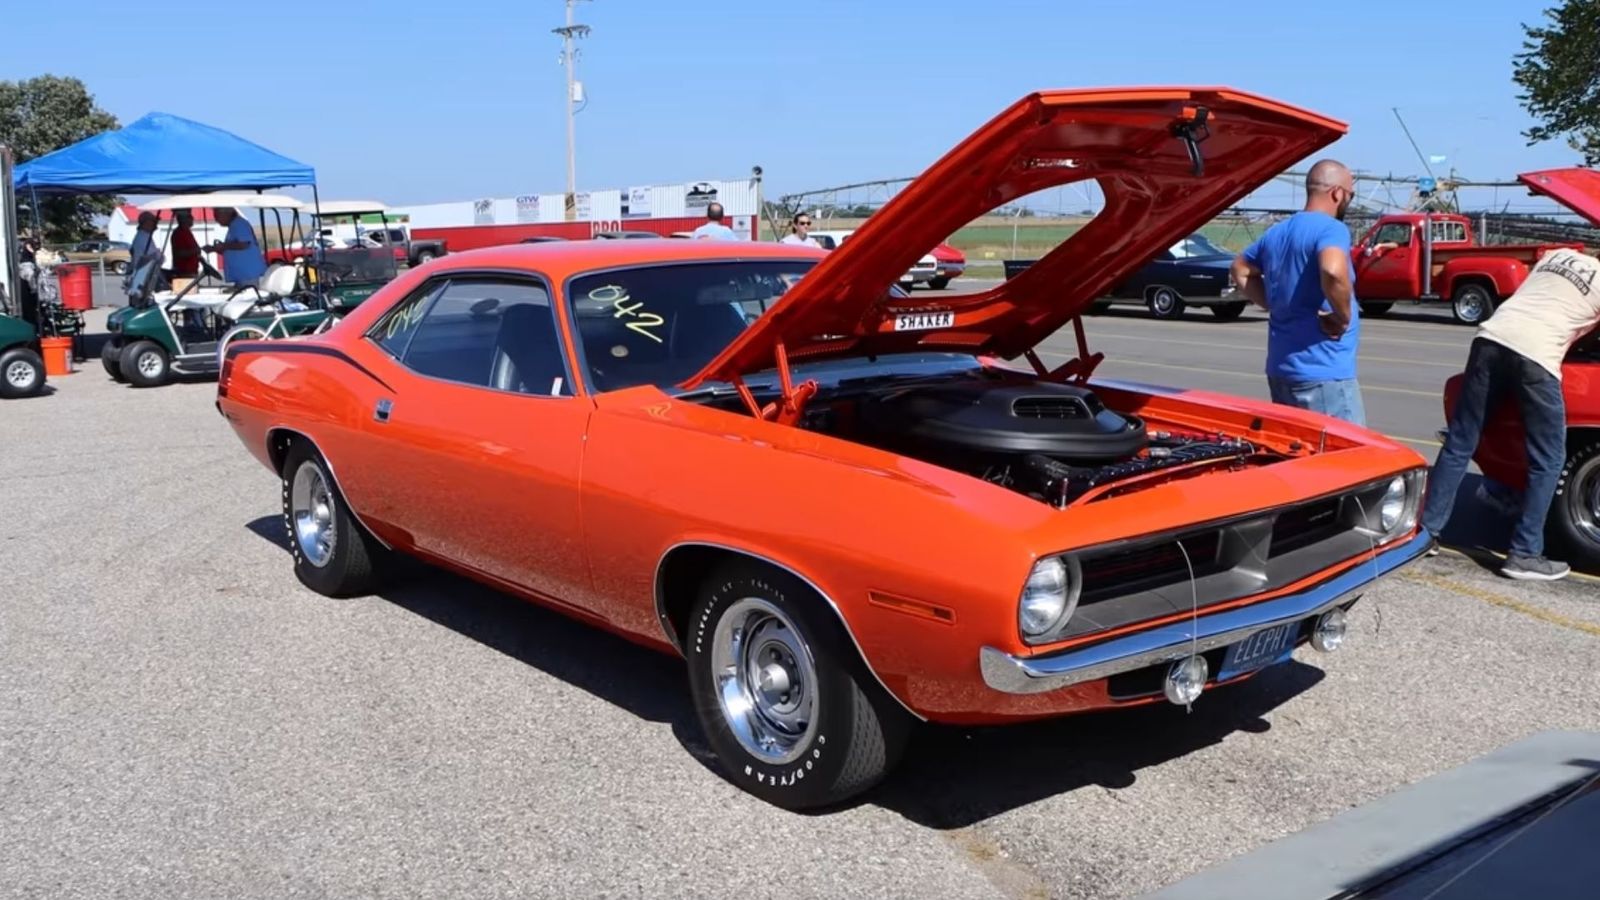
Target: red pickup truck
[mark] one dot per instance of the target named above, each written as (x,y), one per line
(1424,257)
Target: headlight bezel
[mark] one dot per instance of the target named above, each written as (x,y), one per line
(1071,576)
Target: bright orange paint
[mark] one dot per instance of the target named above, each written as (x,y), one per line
(573,501)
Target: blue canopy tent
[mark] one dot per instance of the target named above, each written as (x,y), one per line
(160,153)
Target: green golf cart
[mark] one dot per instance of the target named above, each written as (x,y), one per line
(165,332)
(21,367)
(348,275)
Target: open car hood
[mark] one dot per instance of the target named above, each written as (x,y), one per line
(1129,140)
(1576,189)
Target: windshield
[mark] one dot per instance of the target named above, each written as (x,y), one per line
(661,324)
(1196,245)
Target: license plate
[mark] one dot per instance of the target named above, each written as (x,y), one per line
(924,321)
(1259,650)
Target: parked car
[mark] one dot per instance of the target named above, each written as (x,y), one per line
(923,271)
(114,254)
(1433,257)
(1192,272)
(849,514)
(951,263)
(625,235)
(407,249)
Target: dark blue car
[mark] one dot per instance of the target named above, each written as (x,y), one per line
(1192,272)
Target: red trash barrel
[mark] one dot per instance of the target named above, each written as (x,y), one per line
(76,292)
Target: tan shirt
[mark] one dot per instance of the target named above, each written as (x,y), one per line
(1557,304)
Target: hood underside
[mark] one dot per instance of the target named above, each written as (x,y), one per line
(1166,160)
(1576,189)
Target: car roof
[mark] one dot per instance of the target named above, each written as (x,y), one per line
(560,259)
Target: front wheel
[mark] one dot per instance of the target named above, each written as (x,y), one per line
(1375,308)
(333,554)
(1227,312)
(1574,520)
(785,701)
(938,283)
(111,359)
(1472,304)
(119,267)
(238,333)
(21,373)
(1164,303)
(145,364)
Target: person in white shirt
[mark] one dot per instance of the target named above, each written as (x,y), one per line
(1518,352)
(800,232)
(713,229)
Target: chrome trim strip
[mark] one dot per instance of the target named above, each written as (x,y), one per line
(666,623)
(274,429)
(1036,674)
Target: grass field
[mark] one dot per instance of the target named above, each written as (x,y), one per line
(988,241)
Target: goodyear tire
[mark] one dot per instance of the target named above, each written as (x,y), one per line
(111,359)
(333,555)
(21,373)
(784,699)
(1472,303)
(1164,303)
(145,364)
(1573,524)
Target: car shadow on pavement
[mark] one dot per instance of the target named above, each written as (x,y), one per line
(956,777)
(644,682)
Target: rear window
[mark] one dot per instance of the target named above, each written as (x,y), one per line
(661,324)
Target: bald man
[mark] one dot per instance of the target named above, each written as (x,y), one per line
(1300,272)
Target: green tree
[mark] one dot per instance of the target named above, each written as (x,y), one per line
(41,115)
(1558,71)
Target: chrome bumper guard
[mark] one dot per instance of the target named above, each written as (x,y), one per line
(1048,672)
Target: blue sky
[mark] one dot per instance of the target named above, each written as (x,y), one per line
(465,99)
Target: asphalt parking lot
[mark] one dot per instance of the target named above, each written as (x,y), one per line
(180,718)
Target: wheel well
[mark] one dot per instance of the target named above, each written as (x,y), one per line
(1482,281)
(279,440)
(1581,436)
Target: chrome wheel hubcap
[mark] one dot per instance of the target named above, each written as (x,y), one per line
(1164,301)
(1472,307)
(20,374)
(766,680)
(311,511)
(1585,499)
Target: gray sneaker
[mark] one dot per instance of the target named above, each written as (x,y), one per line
(1534,568)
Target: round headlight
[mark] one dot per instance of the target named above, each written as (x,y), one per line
(1044,596)
(1394,504)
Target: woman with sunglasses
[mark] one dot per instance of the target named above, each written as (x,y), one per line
(799,232)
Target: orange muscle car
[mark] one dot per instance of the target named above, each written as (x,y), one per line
(836,500)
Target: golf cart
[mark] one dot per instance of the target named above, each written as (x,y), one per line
(185,328)
(349,275)
(21,367)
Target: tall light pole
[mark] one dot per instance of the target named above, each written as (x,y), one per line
(569,55)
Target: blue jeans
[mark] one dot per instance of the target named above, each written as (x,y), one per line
(1340,399)
(1493,371)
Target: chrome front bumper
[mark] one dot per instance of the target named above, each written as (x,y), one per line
(1036,674)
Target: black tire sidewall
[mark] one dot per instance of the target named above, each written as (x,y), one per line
(15,355)
(1582,551)
(1227,312)
(130,364)
(810,778)
(1177,304)
(111,359)
(328,580)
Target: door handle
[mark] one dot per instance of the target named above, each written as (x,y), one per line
(381,411)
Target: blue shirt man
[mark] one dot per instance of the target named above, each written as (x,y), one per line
(713,229)
(1300,272)
(242,262)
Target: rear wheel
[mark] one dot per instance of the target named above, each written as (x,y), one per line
(333,554)
(1574,520)
(1164,303)
(145,364)
(1227,312)
(21,373)
(1472,303)
(787,704)
(938,282)
(120,267)
(111,358)
(1374,308)
(426,256)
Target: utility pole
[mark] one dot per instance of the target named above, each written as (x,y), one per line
(569,56)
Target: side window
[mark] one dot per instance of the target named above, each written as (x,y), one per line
(393,332)
(492,333)
(1394,233)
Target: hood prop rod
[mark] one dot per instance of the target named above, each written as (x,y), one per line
(1080,367)
(792,398)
